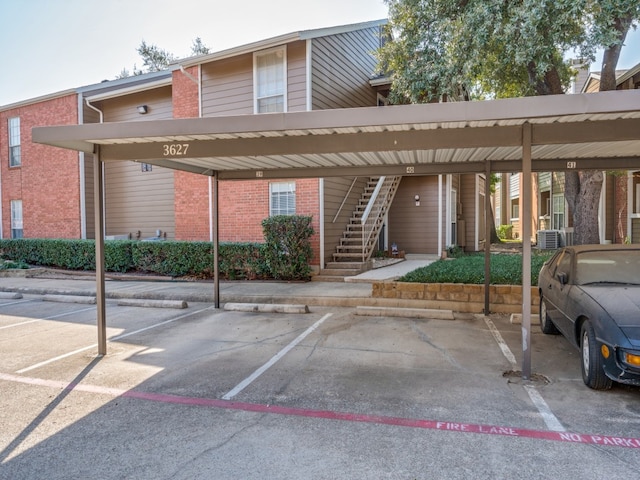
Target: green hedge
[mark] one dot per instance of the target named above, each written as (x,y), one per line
(506,269)
(176,259)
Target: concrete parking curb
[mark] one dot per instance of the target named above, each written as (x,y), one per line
(153,303)
(405,312)
(266,308)
(69,299)
(10,295)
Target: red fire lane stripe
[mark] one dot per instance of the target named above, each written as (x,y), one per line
(607,440)
(569,437)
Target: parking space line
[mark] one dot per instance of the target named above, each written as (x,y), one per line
(247,381)
(453,427)
(48,318)
(550,420)
(113,339)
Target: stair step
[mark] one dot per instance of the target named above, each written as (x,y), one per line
(350,247)
(340,271)
(327,278)
(346,265)
(346,255)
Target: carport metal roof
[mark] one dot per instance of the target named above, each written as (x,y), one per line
(585,131)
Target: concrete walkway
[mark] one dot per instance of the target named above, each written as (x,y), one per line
(356,292)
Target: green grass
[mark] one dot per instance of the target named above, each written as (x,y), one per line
(506,269)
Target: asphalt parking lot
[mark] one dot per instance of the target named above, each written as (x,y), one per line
(205,393)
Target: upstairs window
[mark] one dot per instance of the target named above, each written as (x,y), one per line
(282,198)
(16,218)
(270,81)
(15,159)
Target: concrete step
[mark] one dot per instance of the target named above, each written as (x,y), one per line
(340,271)
(327,278)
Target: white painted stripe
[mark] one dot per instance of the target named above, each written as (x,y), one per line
(47,318)
(547,415)
(549,418)
(247,381)
(21,323)
(55,359)
(116,338)
(506,351)
(124,335)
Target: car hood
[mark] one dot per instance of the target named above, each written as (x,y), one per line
(622,303)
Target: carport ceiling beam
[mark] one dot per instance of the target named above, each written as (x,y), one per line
(387,141)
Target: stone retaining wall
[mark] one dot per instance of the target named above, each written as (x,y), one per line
(454,296)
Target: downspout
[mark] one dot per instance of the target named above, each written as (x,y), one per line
(82,173)
(95,109)
(102,174)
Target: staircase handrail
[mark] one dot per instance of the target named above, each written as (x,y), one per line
(345,199)
(372,200)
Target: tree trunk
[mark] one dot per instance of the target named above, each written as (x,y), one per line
(582,191)
(494,238)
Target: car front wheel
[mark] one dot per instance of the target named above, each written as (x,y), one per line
(592,370)
(546,324)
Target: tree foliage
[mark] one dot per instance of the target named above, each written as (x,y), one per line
(481,49)
(155,58)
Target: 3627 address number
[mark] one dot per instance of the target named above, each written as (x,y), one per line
(175,149)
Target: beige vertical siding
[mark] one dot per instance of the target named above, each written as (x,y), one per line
(138,201)
(335,191)
(297,77)
(415,228)
(467,197)
(227,86)
(342,66)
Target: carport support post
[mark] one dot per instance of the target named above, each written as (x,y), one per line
(98,199)
(487,237)
(526,251)
(216,244)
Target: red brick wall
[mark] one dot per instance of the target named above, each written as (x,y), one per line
(243,204)
(48,181)
(191,190)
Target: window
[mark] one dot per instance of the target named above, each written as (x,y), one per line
(558,211)
(14,142)
(515,209)
(270,74)
(282,198)
(145,167)
(16,218)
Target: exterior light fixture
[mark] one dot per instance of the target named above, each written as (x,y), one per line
(417,199)
(142,109)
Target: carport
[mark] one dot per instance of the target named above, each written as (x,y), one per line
(535,134)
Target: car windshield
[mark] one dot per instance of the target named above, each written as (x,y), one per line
(608,266)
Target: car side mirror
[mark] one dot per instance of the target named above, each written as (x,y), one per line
(562,278)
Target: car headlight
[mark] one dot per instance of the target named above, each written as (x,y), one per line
(631,359)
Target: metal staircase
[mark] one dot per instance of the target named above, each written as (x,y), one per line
(360,237)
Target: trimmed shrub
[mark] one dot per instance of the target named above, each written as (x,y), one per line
(287,250)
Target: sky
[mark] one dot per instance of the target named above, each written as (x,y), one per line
(47,46)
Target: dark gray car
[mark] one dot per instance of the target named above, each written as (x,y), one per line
(591,294)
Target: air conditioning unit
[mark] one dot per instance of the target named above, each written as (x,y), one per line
(548,239)
(567,236)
